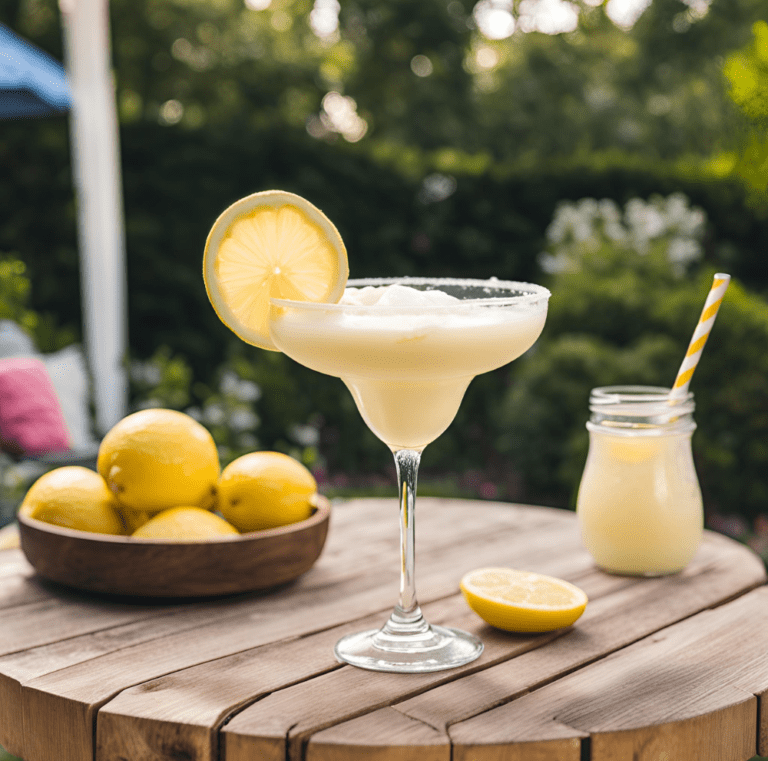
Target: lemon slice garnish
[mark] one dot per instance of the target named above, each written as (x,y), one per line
(522,601)
(272,244)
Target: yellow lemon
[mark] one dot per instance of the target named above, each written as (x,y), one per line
(156,459)
(263,490)
(73,497)
(184,524)
(271,244)
(521,601)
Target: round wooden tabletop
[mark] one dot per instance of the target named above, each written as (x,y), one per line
(665,669)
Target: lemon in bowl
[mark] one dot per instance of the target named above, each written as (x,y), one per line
(522,601)
(264,490)
(156,459)
(73,497)
(184,524)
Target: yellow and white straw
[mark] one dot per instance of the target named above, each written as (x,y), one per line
(700,336)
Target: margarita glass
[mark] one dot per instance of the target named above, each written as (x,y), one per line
(407,366)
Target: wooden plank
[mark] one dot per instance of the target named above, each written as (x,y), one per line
(13,562)
(512,545)
(332,744)
(344,694)
(379,736)
(337,589)
(725,734)
(149,716)
(348,550)
(18,590)
(630,609)
(721,569)
(54,619)
(350,691)
(690,691)
(18,584)
(199,715)
(24,666)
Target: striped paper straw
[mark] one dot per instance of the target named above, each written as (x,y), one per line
(700,336)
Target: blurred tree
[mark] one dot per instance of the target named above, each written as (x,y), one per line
(429,75)
(409,72)
(747,72)
(199,63)
(655,89)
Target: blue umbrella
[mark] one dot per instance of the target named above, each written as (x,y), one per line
(31,82)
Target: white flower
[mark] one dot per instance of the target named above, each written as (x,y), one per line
(242,390)
(214,414)
(248,391)
(306,435)
(195,413)
(229,381)
(681,252)
(243,420)
(645,221)
(586,224)
(556,264)
(247,441)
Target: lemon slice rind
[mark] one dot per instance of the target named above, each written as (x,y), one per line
(271,244)
(522,601)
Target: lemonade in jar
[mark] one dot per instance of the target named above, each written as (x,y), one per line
(639,505)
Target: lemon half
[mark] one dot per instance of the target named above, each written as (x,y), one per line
(271,244)
(522,601)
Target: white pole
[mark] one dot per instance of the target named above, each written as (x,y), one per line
(96,167)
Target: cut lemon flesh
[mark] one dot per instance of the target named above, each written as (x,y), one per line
(272,244)
(522,601)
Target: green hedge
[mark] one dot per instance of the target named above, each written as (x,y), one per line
(176,182)
(604,331)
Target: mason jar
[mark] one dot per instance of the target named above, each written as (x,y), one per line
(639,505)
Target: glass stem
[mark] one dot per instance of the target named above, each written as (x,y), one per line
(407,618)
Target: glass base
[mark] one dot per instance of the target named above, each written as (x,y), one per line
(649,574)
(431,648)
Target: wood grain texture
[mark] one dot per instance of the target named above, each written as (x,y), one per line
(337,589)
(689,691)
(621,611)
(148,710)
(317,656)
(254,677)
(18,585)
(145,568)
(379,736)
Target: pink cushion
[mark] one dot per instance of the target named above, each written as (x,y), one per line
(30,413)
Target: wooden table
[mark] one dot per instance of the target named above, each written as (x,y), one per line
(665,669)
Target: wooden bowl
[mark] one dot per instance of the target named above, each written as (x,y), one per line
(151,568)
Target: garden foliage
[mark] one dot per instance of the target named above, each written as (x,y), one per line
(618,318)
(476,160)
(622,312)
